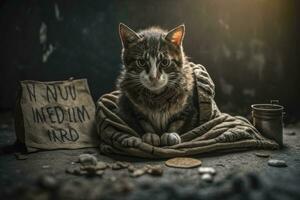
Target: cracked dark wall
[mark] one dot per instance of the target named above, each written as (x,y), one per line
(251,48)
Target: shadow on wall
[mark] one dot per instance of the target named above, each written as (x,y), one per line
(247,46)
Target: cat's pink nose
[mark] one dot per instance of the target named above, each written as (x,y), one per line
(154,78)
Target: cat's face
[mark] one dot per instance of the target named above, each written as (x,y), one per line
(152,58)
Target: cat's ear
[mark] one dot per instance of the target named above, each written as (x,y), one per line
(127,35)
(176,35)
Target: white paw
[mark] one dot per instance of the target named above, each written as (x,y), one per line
(151,138)
(131,142)
(169,139)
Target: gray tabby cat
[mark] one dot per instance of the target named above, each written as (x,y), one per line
(157,86)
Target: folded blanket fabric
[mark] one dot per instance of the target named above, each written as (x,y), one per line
(216,131)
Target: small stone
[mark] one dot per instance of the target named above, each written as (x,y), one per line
(131,168)
(123,164)
(83,172)
(183,162)
(112,178)
(263,155)
(277,163)
(115,166)
(155,170)
(70,170)
(207,177)
(101,165)
(206,170)
(90,169)
(76,171)
(138,172)
(88,159)
(20,156)
(46,166)
(99,172)
(119,165)
(47,181)
(290,133)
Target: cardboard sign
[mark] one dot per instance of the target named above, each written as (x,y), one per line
(55,115)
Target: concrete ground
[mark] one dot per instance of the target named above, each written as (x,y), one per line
(240,175)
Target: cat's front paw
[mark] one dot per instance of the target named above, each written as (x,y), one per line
(169,139)
(151,138)
(131,142)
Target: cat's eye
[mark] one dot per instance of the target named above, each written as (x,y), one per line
(165,62)
(140,62)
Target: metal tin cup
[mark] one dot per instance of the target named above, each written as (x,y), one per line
(268,119)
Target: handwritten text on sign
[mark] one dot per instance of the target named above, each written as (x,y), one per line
(55,112)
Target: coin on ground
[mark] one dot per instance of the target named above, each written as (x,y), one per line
(183,162)
(263,155)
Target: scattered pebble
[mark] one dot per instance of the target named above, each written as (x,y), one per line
(277,163)
(155,170)
(207,170)
(47,181)
(138,172)
(183,162)
(263,155)
(99,172)
(101,165)
(119,165)
(90,169)
(87,159)
(207,177)
(83,172)
(20,156)
(77,171)
(112,178)
(89,166)
(72,170)
(46,166)
(131,168)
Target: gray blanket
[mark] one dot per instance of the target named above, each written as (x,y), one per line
(216,131)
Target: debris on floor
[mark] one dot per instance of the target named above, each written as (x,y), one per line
(207,177)
(89,165)
(277,163)
(207,170)
(207,173)
(155,170)
(87,159)
(47,182)
(119,165)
